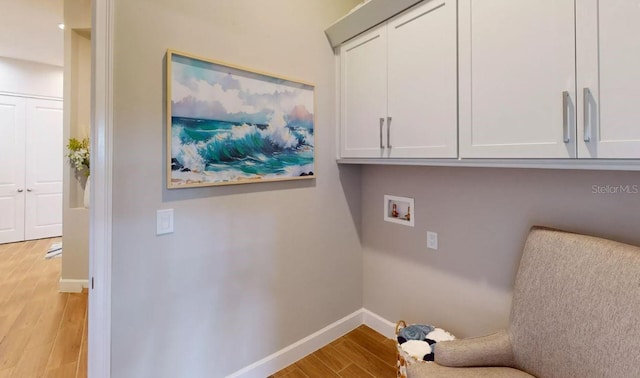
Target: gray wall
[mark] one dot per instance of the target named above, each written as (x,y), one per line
(250,269)
(482,217)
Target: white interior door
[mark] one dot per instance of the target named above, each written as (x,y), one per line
(423,92)
(12,189)
(517,79)
(44,159)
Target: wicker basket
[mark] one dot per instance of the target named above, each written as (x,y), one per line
(404,359)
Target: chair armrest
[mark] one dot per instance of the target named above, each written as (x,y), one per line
(491,350)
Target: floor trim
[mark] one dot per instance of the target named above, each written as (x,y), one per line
(296,351)
(72,286)
(379,324)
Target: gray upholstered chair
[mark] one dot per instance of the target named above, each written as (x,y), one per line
(575,313)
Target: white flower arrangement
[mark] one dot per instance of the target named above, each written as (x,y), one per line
(79,154)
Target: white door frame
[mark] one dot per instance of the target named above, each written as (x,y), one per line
(99,353)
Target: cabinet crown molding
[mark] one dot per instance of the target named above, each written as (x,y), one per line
(364,17)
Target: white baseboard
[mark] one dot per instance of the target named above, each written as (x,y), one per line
(378,323)
(296,351)
(72,286)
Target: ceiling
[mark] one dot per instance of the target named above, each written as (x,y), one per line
(29,30)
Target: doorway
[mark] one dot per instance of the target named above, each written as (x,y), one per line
(33,22)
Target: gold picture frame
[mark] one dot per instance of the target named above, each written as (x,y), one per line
(231,125)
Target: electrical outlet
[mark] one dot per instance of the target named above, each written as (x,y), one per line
(432,240)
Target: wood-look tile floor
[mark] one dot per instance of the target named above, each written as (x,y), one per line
(361,353)
(43,333)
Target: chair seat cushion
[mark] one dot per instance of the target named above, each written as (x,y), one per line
(433,370)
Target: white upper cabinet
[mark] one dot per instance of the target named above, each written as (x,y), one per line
(608,71)
(557,80)
(422,77)
(398,86)
(363,94)
(517,79)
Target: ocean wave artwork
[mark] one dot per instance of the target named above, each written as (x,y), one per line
(228,125)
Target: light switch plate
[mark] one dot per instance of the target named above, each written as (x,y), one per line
(164,221)
(432,240)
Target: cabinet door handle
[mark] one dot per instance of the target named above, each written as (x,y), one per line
(29,190)
(565,116)
(381,125)
(586,94)
(388,132)
(20,190)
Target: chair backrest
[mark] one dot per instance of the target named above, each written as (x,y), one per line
(576,307)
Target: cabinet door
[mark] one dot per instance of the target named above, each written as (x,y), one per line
(12,190)
(423,82)
(608,64)
(364,94)
(44,159)
(517,79)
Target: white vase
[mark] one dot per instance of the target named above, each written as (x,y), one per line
(87,193)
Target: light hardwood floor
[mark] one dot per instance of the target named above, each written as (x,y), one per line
(43,333)
(361,353)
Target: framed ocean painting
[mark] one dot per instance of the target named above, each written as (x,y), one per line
(230,125)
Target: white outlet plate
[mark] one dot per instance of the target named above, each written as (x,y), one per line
(432,240)
(164,221)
